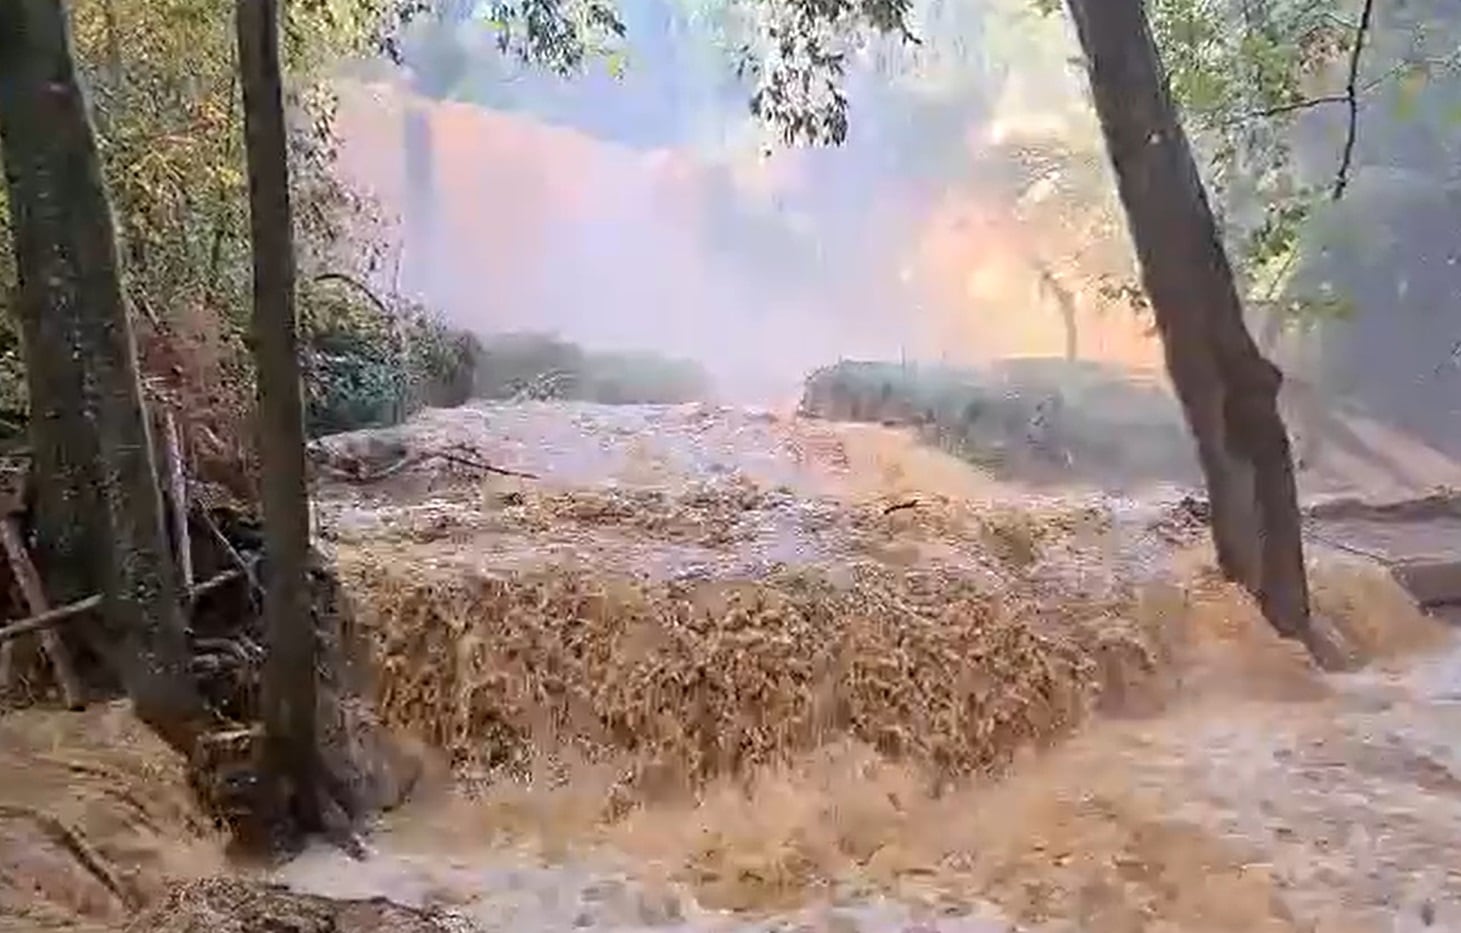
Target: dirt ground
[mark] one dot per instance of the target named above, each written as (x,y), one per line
(95,820)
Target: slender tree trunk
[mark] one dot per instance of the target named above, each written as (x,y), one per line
(99,522)
(1228,390)
(289,687)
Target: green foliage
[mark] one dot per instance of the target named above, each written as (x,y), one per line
(368,365)
(541,366)
(1247,75)
(1031,417)
(1241,76)
(162,83)
(795,52)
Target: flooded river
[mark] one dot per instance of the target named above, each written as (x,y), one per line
(1046,713)
(1256,794)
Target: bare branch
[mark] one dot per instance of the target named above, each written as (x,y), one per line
(1431,63)
(357,285)
(1351,91)
(43,620)
(1293,107)
(356,472)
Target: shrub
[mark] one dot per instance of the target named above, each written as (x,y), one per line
(542,366)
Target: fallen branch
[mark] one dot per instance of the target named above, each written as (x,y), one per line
(359,287)
(207,586)
(74,843)
(900,506)
(62,613)
(483,465)
(177,494)
(1349,548)
(409,460)
(45,619)
(233,555)
(24,571)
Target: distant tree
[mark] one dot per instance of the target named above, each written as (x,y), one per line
(98,508)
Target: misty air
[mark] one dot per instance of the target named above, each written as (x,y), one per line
(899,466)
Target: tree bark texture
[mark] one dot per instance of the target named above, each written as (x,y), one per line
(289,678)
(99,524)
(1228,390)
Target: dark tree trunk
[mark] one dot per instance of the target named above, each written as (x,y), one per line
(98,509)
(289,683)
(1228,390)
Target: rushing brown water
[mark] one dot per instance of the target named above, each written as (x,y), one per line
(1247,792)
(1219,784)
(1273,799)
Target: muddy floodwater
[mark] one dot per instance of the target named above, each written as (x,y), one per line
(1047,712)
(1261,795)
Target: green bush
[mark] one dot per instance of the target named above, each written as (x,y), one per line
(518,366)
(369,367)
(1036,419)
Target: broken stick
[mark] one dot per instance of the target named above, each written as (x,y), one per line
(35,598)
(44,620)
(177,491)
(233,555)
(412,459)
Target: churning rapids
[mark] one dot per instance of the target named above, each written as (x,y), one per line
(1041,712)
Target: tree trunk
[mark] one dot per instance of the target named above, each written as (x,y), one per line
(1228,390)
(98,509)
(289,680)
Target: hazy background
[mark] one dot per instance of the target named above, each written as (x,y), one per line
(643,211)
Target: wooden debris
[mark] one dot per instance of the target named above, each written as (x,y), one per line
(37,622)
(233,555)
(356,472)
(177,493)
(44,620)
(35,597)
(14,475)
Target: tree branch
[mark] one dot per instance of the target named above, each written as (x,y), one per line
(1351,93)
(1293,106)
(43,620)
(358,286)
(1278,110)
